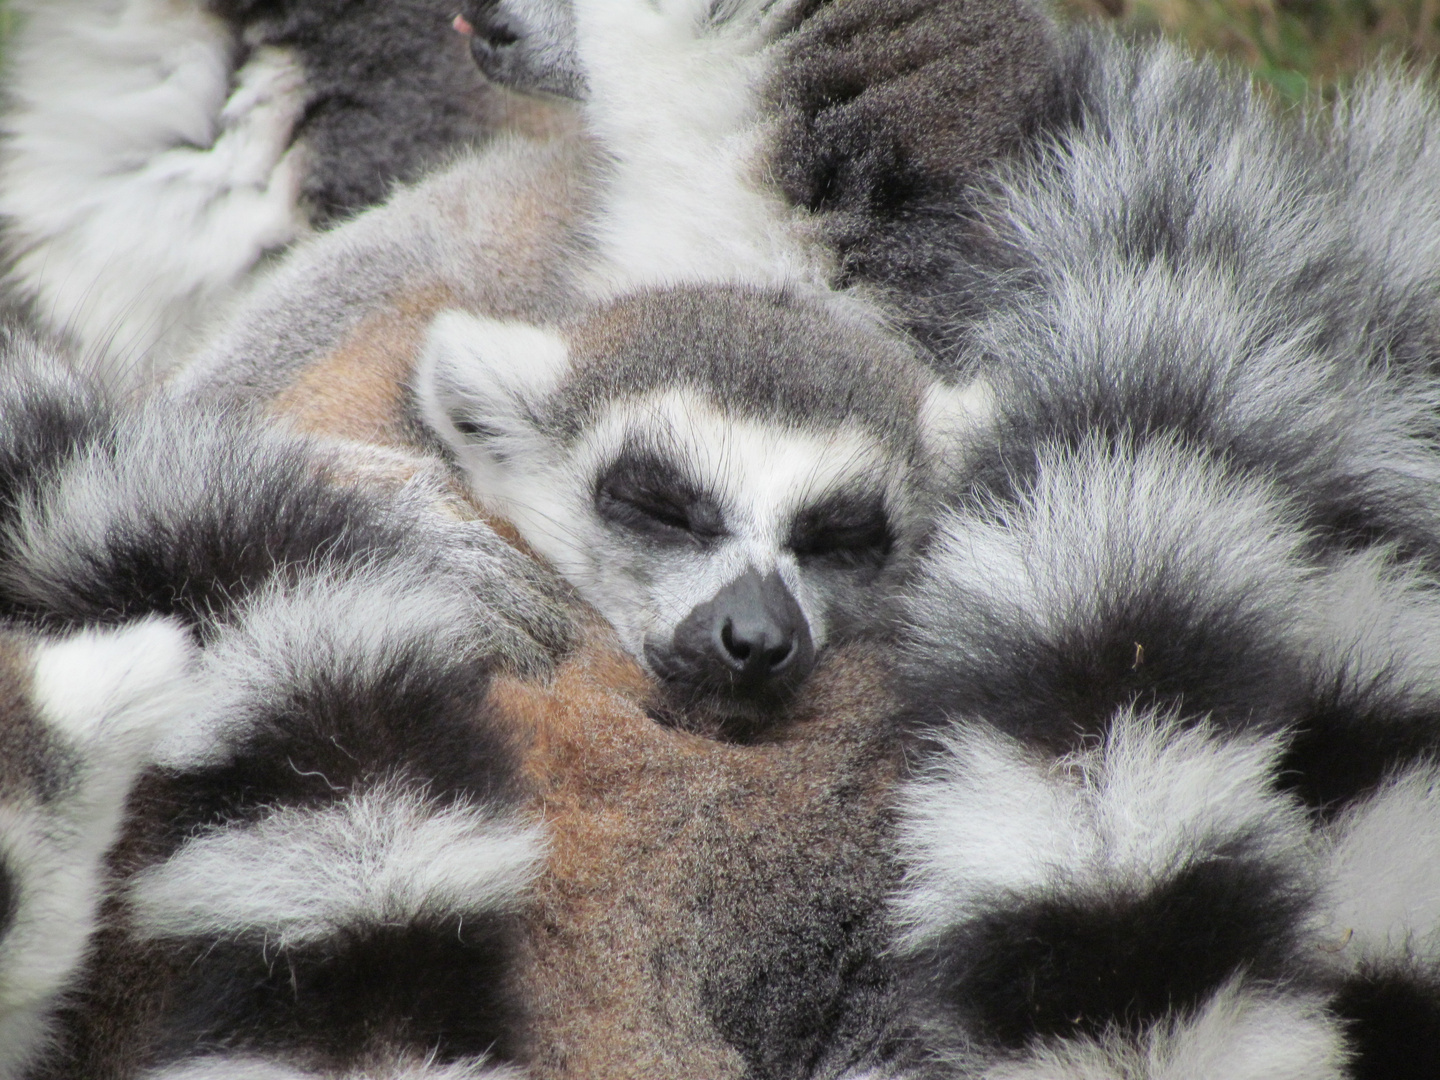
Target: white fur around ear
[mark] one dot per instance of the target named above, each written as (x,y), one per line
(480,383)
(953,417)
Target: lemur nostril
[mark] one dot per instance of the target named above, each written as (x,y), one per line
(778,655)
(750,642)
(740,650)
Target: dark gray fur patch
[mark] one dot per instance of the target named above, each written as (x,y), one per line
(33,763)
(766,355)
(9,898)
(890,110)
(392,89)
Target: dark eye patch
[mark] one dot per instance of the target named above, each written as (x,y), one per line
(847,530)
(472,429)
(648,494)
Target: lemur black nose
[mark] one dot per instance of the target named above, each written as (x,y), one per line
(757,632)
(756,647)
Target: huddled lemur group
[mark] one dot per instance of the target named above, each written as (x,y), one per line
(855,539)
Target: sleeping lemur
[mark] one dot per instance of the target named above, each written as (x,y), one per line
(650,356)
(731,476)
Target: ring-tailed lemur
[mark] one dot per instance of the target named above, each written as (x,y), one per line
(1172,661)
(826,141)
(730,476)
(322,868)
(737,455)
(1203,526)
(156,152)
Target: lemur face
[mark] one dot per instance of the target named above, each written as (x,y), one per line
(731,478)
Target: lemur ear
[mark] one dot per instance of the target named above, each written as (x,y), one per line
(952,417)
(481,383)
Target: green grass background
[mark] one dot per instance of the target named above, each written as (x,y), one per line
(1298,48)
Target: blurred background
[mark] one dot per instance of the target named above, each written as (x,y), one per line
(1299,49)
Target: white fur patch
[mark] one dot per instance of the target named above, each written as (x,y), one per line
(952,417)
(101,684)
(218,1068)
(1237,1035)
(108,695)
(1383,899)
(993,817)
(298,876)
(760,473)
(248,1068)
(674,99)
(289,634)
(1098,523)
(491,373)
(136,194)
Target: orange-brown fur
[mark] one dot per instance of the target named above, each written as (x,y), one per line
(651,827)
(357,392)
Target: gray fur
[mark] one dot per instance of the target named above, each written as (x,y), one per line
(884,114)
(390,91)
(78,717)
(335,723)
(158,155)
(116,513)
(635,454)
(768,358)
(327,287)
(528,46)
(1203,523)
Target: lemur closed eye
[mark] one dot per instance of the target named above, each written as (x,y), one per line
(730,476)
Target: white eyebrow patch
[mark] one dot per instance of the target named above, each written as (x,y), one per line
(760,472)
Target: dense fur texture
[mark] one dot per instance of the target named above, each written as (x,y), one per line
(801,141)
(1172,652)
(1164,724)
(78,716)
(734,479)
(699,131)
(390,91)
(157,152)
(329,871)
(668,233)
(334,799)
(113,513)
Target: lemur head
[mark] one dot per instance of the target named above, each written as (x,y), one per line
(730,476)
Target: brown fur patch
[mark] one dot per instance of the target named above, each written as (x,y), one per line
(532,116)
(357,392)
(683,873)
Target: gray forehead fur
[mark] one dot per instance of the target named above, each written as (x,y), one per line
(761,355)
